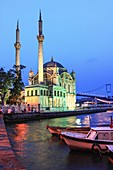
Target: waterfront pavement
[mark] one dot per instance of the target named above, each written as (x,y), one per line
(24,117)
(8,160)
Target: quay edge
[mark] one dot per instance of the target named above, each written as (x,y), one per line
(24,117)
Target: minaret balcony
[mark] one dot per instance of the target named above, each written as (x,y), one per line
(17,45)
(40,38)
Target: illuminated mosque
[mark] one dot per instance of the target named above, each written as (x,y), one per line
(52,88)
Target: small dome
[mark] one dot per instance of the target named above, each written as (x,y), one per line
(31,74)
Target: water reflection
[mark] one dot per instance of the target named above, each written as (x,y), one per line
(20,132)
(18,136)
(94,119)
(83,121)
(85,161)
(62,121)
(36,149)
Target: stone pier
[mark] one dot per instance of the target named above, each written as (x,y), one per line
(8,160)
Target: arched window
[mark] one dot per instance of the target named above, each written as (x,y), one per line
(36,93)
(31,92)
(69,88)
(65,86)
(27,93)
(41,92)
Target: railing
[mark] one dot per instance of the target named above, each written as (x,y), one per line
(18,109)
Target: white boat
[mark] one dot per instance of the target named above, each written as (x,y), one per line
(110,153)
(97,137)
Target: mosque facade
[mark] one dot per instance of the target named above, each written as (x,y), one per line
(52,88)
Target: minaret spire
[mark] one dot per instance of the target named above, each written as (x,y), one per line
(40,23)
(17,46)
(40,18)
(40,38)
(18,25)
(17,32)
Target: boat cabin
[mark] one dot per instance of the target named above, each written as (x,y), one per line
(100,134)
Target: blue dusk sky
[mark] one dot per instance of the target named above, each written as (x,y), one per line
(78,34)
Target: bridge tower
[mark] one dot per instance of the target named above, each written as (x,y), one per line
(108,90)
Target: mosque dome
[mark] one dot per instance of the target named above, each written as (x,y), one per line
(53,66)
(52,63)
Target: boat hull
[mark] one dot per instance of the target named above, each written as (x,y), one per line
(110,159)
(56,130)
(110,154)
(85,144)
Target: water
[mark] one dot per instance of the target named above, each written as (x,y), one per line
(37,150)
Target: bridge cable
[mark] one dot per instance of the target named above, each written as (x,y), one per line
(95,89)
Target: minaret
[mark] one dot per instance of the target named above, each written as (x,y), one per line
(17,47)
(40,38)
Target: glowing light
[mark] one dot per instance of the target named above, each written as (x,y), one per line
(78,122)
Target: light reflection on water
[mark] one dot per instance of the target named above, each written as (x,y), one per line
(37,150)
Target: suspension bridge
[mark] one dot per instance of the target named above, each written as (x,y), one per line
(106,97)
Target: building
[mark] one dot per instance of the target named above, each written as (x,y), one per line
(52,88)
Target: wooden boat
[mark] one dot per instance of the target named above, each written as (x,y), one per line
(96,138)
(56,130)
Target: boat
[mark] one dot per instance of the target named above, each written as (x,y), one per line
(56,130)
(96,139)
(110,153)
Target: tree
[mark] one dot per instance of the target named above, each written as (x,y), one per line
(18,85)
(6,80)
(11,84)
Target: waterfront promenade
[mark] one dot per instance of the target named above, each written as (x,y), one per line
(29,116)
(8,160)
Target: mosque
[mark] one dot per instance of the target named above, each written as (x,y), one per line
(52,88)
